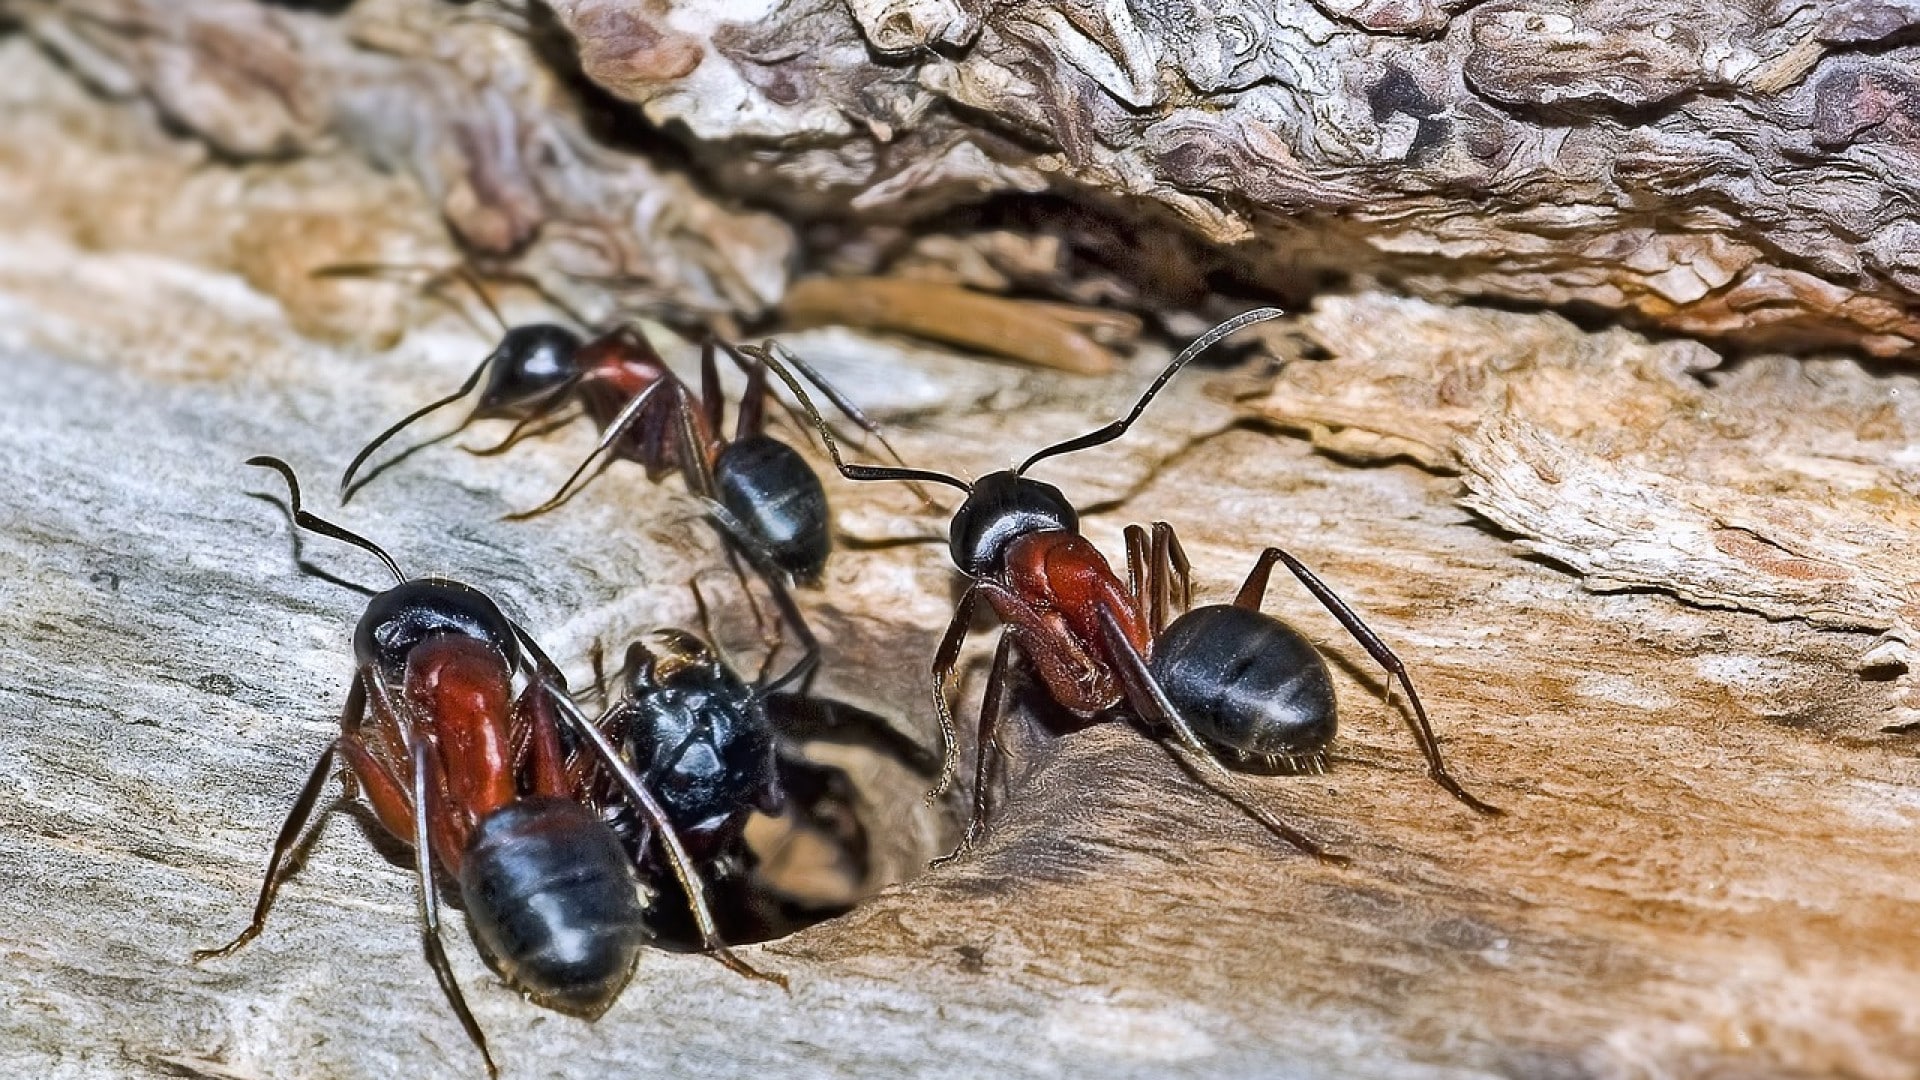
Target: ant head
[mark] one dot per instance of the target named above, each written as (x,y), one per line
(411,612)
(660,658)
(1001,508)
(530,366)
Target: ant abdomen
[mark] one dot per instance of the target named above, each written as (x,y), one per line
(778,500)
(1249,684)
(552,898)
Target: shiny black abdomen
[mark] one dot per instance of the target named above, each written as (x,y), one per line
(552,899)
(778,499)
(407,614)
(1246,682)
(704,748)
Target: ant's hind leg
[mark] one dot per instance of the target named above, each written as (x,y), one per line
(430,908)
(283,847)
(1168,553)
(1255,590)
(1150,701)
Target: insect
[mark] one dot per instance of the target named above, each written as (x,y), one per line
(760,492)
(472,777)
(716,751)
(1222,680)
(763,497)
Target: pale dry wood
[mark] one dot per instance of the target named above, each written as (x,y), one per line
(1778,487)
(1737,170)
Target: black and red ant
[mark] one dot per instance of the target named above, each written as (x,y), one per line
(1221,679)
(762,493)
(472,776)
(763,497)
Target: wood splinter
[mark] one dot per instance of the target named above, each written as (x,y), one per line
(1060,336)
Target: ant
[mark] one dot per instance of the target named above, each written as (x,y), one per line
(716,750)
(1222,679)
(762,496)
(472,778)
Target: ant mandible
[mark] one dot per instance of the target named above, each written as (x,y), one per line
(549,889)
(1221,679)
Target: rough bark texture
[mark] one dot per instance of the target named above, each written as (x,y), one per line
(1742,171)
(1707,866)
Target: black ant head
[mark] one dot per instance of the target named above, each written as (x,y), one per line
(409,613)
(1001,508)
(530,366)
(659,659)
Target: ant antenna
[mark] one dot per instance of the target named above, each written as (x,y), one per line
(435,277)
(461,272)
(315,523)
(359,459)
(778,364)
(1119,427)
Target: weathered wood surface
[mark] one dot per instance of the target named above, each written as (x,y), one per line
(1707,869)
(1738,170)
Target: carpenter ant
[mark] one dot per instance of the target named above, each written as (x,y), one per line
(471,776)
(763,495)
(760,494)
(716,750)
(1223,679)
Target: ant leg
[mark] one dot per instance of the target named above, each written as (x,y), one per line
(986,749)
(710,393)
(1255,590)
(752,414)
(531,427)
(1169,553)
(734,533)
(677,858)
(1136,539)
(283,846)
(945,659)
(769,634)
(609,438)
(779,366)
(712,636)
(597,656)
(546,762)
(1150,701)
(430,909)
(436,279)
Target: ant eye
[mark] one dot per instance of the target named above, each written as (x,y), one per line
(407,614)
(531,363)
(1002,508)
